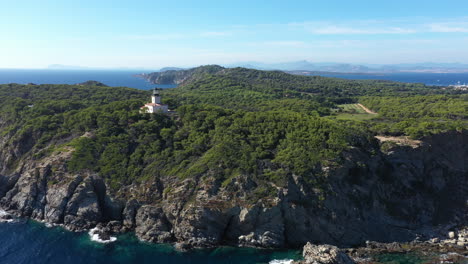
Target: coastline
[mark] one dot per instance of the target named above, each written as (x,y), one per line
(79,247)
(445,249)
(82,202)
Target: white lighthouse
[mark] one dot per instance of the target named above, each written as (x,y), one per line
(155,97)
(155,106)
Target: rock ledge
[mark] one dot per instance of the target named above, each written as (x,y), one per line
(324,254)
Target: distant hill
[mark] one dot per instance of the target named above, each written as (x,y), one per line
(180,76)
(304,65)
(92,83)
(170,69)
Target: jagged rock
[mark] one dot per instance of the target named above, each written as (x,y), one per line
(83,210)
(201,227)
(129,213)
(449,241)
(390,198)
(182,247)
(152,225)
(268,224)
(324,254)
(112,208)
(451,235)
(57,199)
(114,227)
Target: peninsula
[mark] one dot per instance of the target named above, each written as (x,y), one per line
(250,158)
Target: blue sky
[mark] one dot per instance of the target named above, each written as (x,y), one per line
(153,34)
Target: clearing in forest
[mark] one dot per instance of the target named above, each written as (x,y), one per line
(354,112)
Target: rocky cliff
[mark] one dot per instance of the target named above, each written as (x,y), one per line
(180,76)
(393,196)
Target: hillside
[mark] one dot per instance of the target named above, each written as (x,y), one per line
(174,76)
(254,90)
(250,158)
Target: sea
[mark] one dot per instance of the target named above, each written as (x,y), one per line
(30,242)
(127,77)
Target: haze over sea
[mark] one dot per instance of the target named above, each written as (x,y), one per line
(127,78)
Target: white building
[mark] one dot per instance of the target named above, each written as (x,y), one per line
(155,106)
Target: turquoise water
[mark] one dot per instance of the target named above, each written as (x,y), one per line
(31,242)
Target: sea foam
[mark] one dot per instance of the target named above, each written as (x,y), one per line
(4,213)
(281,261)
(94,236)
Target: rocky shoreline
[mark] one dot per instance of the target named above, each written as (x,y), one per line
(449,248)
(452,248)
(400,196)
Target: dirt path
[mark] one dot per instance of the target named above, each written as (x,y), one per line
(401,141)
(367,109)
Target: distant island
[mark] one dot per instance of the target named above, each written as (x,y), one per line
(296,67)
(92,83)
(428,67)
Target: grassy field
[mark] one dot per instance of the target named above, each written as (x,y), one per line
(352,112)
(352,108)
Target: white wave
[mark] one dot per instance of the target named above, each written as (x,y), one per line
(281,261)
(49,225)
(4,213)
(94,236)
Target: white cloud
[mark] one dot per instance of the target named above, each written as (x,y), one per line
(449,28)
(368,27)
(376,27)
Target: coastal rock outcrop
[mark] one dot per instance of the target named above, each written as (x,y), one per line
(152,225)
(180,76)
(324,254)
(385,197)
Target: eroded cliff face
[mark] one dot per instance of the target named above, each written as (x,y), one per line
(385,197)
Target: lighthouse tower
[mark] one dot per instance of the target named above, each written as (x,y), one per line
(155,106)
(155,98)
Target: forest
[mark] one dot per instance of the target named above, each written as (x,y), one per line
(265,124)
